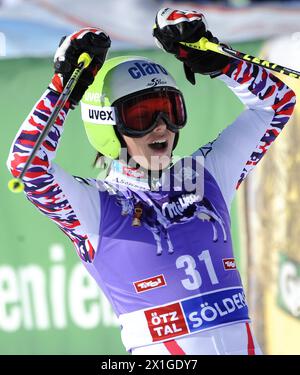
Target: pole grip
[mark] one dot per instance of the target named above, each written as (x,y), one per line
(16,185)
(84,59)
(203,45)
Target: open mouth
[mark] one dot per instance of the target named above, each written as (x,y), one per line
(161,144)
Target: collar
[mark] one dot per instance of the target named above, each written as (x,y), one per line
(135,178)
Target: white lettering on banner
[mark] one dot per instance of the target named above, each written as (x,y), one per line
(196,313)
(289,286)
(83,295)
(162,320)
(167,330)
(209,313)
(98,115)
(34,298)
(10,312)
(166,322)
(58,294)
(32,284)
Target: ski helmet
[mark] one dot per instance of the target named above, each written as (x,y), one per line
(118,78)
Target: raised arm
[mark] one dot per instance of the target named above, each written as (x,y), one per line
(72,203)
(269,102)
(237,150)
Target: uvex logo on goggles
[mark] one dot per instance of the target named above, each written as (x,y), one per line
(98,115)
(139,70)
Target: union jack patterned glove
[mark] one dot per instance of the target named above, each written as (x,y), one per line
(91,40)
(174,26)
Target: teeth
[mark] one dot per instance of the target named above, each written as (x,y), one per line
(159,141)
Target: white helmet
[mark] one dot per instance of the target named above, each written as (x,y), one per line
(119,80)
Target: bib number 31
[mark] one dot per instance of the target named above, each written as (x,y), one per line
(194,279)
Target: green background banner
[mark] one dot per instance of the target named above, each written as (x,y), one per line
(48,303)
(288,297)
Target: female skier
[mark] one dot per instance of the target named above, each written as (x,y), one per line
(155,232)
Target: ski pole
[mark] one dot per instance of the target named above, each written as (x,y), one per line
(204,44)
(16,185)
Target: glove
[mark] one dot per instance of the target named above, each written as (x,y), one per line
(91,40)
(174,26)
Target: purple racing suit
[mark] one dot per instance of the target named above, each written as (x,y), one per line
(175,274)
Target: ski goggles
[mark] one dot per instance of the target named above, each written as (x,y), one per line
(138,114)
